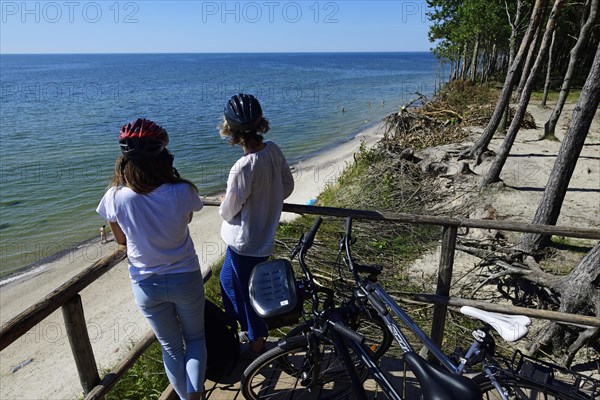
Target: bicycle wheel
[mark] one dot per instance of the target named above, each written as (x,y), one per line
(518,388)
(278,373)
(377,337)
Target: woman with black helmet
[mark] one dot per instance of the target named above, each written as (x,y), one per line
(256,187)
(148,207)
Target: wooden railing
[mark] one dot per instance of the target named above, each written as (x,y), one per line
(67,295)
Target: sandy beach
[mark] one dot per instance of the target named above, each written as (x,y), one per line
(40,365)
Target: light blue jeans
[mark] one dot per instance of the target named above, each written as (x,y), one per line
(173,304)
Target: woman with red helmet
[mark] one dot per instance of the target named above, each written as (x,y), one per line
(256,187)
(148,207)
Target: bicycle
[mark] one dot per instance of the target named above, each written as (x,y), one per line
(329,371)
(520,377)
(325,357)
(299,360)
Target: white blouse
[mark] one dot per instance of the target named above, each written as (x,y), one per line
(257,185)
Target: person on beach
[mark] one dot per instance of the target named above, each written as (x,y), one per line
(103,234)
(148,208)
(256,187)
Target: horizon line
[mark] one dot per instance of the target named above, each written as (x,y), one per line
(233,52)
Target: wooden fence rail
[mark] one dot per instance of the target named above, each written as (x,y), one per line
(67,295)
(20,324)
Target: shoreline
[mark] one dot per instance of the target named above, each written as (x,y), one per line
(41,264)
(45,350)
(30,271)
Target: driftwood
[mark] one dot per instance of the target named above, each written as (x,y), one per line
(422,127)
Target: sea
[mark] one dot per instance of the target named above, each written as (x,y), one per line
(60,117)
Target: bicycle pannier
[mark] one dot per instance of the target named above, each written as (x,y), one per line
(222,342)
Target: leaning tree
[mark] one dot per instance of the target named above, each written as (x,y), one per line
(493,174)
(584,33)
(579,291)
(481,145)
(549,208)
(579,294)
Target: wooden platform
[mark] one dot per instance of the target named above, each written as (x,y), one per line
(228,387)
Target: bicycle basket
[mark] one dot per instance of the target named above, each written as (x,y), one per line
(560,378)
(274,294)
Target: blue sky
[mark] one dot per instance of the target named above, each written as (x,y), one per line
(73,26)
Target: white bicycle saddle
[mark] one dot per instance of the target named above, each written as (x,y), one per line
(510,327)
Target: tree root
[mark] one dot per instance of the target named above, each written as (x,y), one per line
(520,279)
(590,335)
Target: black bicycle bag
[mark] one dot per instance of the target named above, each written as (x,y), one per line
(222,342)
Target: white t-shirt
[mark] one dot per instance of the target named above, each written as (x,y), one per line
(156,227)
(257,184)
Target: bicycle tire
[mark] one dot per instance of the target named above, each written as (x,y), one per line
(523,388)
(377,336)
(277,373)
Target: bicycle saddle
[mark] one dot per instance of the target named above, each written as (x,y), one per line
(510,327)
(439,384)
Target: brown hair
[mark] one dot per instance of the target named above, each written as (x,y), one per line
(143,176)
(241,138)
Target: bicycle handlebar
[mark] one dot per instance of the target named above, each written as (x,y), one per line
(348,227)
(307,240)
(310,236)
(355,268)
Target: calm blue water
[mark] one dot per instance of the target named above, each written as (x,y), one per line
(61,114)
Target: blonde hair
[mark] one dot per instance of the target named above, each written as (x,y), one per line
(242,137)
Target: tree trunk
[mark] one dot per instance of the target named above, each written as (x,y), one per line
(463,71)
(514,30)
(481,145)
(566,160)
(579,295)
(528,63)
(548,71)
(456,67)
(550,126)
(490,63)
(493,174)
(512,49)
(474,60)
(493,61)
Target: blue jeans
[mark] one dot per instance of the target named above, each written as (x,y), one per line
(173,304)
(235,276)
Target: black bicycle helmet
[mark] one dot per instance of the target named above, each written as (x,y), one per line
(243,113)
(142,139)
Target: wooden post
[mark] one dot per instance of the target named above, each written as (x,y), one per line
(80,343)
(443,283)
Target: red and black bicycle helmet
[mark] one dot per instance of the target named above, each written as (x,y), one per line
(142,139)
(243,113)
